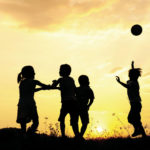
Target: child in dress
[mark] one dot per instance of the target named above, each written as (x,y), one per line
(27,109)
(133,87)
(85,97)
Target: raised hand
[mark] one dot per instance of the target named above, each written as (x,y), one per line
(132,64)
(118,79)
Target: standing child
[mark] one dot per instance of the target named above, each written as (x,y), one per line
(132,86)
(85,97)
(68,99)
(27,110)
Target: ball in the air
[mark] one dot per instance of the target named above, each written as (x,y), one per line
(136,30)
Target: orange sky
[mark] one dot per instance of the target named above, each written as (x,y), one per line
(93,36)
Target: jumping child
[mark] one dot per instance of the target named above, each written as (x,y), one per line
(133,87)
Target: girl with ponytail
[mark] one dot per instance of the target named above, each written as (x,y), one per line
(19,77)
(27,110)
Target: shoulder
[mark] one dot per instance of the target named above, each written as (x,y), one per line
(78,89)
(35,81)
(70,78)
(90,90)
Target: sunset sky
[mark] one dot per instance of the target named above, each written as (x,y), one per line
(93,36)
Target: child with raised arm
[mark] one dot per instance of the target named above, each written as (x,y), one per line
(85,97)
(68,99)
(133,87)
(27,110)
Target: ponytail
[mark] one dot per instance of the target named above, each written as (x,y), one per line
(19,77)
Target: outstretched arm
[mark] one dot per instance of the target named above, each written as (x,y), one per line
(55,83)
(42,86)
(38,89)
(123,84)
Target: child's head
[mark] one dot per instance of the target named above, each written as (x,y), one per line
(134,73)
(26,72)
(83,80)
(65,70)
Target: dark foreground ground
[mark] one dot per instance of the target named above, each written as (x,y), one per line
(12,139)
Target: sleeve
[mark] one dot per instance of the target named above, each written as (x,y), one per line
(36,82)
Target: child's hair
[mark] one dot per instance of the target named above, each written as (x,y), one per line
(26,72)
(65,70)
(83,80)
(134,73)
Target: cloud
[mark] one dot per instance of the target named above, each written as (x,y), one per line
(146,74)
(116,69)
(75,15)
(102,66)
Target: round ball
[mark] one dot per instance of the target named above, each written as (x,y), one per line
(136,30)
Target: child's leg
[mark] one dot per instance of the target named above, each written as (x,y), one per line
(62,116)
(23,127)
(85,120)
(135,119)
(74,124)
(74,120)
(83,129)
(35,120)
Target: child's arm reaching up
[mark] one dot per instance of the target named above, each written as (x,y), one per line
(132,65)
(123,84)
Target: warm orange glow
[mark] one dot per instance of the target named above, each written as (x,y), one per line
(94,38)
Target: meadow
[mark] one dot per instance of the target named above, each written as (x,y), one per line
(12,138)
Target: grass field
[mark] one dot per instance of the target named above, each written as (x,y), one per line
(12,139)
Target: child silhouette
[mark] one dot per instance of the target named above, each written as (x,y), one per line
(135,100)
(68,99)
(85,97)
(27,109)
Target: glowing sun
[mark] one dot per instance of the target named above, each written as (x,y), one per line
(99,129)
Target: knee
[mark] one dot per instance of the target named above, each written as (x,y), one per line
(85,124)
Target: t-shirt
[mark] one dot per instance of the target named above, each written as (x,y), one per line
(67,87)
(133,91)
(84,93)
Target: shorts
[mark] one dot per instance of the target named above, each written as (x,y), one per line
(71,108)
